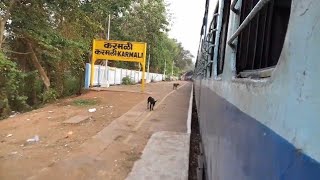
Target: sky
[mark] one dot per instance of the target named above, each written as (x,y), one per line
(187,21)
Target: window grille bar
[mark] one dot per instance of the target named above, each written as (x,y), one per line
(213,18)
(247,20)
(267,37)
(259,53)
(233,7)
(255,42)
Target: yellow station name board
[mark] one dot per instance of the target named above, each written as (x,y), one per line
(119,50)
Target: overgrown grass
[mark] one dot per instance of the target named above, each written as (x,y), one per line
(127,80)
(133,157)
(85,102)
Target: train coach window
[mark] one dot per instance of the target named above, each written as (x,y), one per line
(223,36)
(213,27)
(222,39)
(260,42)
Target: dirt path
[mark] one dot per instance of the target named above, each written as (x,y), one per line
(108,155)
(20,159)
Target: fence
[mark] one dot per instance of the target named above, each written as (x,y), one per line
(113,76)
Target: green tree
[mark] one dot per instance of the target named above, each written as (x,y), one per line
(45,44)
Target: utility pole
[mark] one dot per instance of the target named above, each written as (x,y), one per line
(108,34)
(149,63)
(106,66)
(172,68)
(164,71)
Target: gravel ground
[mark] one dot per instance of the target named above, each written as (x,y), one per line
(194,144)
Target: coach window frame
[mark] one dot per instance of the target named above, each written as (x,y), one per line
(222,38)
(213,27)
(236,42)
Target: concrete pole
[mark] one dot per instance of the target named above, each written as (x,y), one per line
(172,69)
(115,75)
(108,34)
(164,71)
(106,67)
(149,64)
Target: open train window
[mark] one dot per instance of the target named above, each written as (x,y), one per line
(223,36)
(212,37)
(260,43)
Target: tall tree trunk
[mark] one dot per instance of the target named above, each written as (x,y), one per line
(37,65)
(2,24)
(3,21)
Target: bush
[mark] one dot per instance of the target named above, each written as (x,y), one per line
(11,87)
(71,85)
(49,96)
(127,80)
(4,107)
(33,88)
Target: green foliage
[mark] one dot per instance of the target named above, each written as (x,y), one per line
(70,85)
(127,80)
(4,107)
(11,81)
(49,96)
(60,34)
(84,102)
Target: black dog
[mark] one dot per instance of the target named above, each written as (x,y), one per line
(151,103)
(175,85)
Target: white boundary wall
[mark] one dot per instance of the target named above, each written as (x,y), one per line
(115,75)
